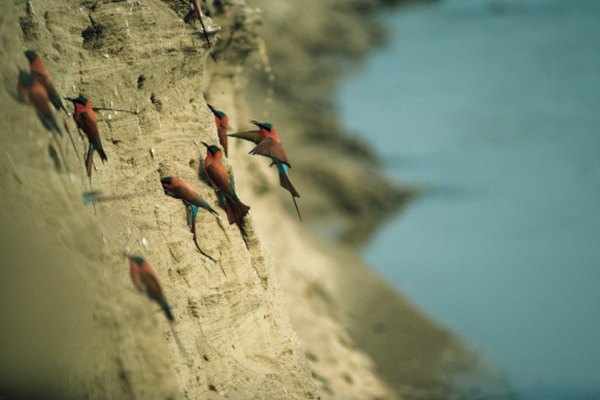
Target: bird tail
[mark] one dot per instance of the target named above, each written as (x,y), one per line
(62,106)
(89,160)
(56,101)
(50,123)
(285,183)
(223,142)
(236,210)
(204,204)
(101,152)
(191,211)
(167,309)
(195,239)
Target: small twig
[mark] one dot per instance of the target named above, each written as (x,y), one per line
(199,16)
(71,137)
(114,109)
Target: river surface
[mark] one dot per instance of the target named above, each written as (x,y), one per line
(494,107)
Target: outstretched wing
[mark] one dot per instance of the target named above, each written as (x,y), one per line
(252,136)
(269,148)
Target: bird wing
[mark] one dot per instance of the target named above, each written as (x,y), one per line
(134,272)
(200,202)
(23,93)
(252,136)
(88,125)
(40,102)
(218,177)
(152,286)
(270,148)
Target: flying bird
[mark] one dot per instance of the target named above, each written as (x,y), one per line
(85,117)
(222,121)
(145,280)
(268,145)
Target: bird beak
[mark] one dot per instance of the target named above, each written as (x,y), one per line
(70,99)
(205,145)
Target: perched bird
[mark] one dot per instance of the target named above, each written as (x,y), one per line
(32,92)
(85,117)
(145,281)
(222,121)
(180,189)
(41,72)
(268,145)
(219,179)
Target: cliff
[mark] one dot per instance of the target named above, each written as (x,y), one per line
(290,315)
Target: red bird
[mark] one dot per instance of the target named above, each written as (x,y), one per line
(85,117)
(180,189)
(41,72)
(32,92)
(268,145)
(145,281)
(266,140)
(222,121)
(219,178)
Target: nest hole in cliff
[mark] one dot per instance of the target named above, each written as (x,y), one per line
(156,102)
(27,23)
(92,36)
(140,81)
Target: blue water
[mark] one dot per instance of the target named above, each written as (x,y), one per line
(494,106)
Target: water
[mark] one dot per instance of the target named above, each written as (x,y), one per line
(495,107)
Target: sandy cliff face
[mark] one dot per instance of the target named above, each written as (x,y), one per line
(232,336)
(286,317)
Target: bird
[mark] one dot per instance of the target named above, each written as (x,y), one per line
(222,121)
(85,117)
(32,92)
(219,179)
(268,145)
(180,189)
(145,281)
(41,72)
